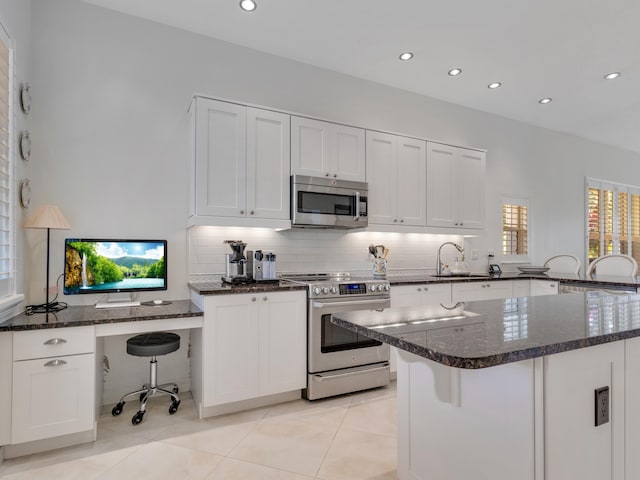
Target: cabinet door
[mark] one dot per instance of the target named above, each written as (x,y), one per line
(420,294)
(348,153)
(382,176)
(470,188)
(282,323)
(574,446)
(411,181)
(632,412)
(230,349)
(268,145)
(543,287)
(52,397)
(310,147)
(221,159)
(440,185)
(463,292)
(5,387)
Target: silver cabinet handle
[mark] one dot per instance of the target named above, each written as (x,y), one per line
(55,341)
(55,363)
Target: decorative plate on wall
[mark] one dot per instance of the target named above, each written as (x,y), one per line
(25,192)
(25,144)
(25,97)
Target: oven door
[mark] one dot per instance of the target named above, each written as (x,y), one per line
(332,347)
(329,206)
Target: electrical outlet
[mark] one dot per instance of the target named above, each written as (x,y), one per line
(602,405)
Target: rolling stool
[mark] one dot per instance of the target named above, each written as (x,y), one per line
(151,345)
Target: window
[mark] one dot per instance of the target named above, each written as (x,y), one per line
(515,229)
(7,228)
(613,219)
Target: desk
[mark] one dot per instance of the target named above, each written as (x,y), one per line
(79,381)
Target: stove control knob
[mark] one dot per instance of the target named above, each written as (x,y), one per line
(373,288)
(387,287)
(316,290)
(325,290)
(334,290)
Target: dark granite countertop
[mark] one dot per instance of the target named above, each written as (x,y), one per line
(494,332)
(77,316)
(410,278)
(216,287)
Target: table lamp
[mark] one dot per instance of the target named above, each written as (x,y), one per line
(47,216)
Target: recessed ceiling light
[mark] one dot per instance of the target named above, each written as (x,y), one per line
(248,5)
(546,100)
(494,85)
(612,75)
(455,71)
(406,56)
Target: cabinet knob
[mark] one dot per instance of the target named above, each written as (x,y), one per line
(55,341)
(326,174)
(419,289)
(55,363)
(264,299)
(335,175)
(241,212)
(395,219)
(402,220)
(253,299)
(251,212)
(426,289)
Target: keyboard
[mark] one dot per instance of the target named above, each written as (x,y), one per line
(117,304)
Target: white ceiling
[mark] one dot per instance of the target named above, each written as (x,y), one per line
(536,48)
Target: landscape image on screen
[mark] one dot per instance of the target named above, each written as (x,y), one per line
(95,266)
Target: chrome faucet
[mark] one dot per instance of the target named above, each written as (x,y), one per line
(438,262)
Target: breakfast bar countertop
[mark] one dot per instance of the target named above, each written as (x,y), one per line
(494,332)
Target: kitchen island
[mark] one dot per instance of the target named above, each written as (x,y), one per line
(521,388)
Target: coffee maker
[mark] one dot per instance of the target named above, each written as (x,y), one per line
(239,269)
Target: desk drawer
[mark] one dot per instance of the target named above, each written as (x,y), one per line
(53,342)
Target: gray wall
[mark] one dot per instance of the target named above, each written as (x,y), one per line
(110,132)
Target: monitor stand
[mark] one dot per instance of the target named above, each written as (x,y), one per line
(119,300)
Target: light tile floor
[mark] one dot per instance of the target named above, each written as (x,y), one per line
(350,437)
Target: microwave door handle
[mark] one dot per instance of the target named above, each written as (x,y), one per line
(357,217)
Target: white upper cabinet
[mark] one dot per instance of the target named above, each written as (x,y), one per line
(455,187)
(325,149)
(240,163)
(396,173)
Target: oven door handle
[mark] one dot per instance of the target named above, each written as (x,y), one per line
(370,302)
(357,217)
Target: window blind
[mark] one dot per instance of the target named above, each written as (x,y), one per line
(515,227)
(7,252)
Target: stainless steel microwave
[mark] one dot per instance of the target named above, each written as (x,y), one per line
(328,202)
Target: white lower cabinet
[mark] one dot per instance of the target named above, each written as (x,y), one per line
(470,291)
(543,287)
(521,288)
(420,294)
(53,390)
(632,412)
(252,345)
(574,446)
(5,387)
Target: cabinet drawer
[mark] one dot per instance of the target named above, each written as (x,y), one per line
(53,342)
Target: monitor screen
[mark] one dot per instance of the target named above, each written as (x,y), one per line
(107,266)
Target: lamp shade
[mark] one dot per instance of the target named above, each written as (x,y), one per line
(47,216)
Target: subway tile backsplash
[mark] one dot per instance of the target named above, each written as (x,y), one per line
(309,250)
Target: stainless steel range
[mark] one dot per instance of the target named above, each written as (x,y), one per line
(338,360)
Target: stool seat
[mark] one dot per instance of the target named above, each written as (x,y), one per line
(153,344)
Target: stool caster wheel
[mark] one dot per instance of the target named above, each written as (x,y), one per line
(174,407)
(137,418)
(117,410)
